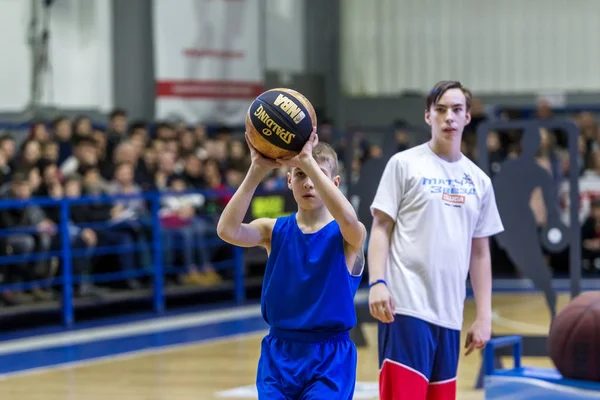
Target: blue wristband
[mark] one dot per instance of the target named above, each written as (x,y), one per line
(376,282)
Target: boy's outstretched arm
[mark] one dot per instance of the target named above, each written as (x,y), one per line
(230,227)
(353,231)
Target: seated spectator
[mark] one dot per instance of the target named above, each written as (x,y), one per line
(220,152)
(27,242)
(187,142)
(589,190)
(234,177)
(85,239)
(39,133)
(200,134)
(116,131)
(63,131)
(101,144)
(590,236)
(548,156)
(50,177)
(193,172)
(123,183)
(179,219)
(130,213)
(35,180)
(82,127)
(238,155)
(7,144)
(93,183)
(50,152)
(113,233)
(32,153)
(5,169)
(167,167)
(164,131)
(216,184)
(84,155)
(125,152)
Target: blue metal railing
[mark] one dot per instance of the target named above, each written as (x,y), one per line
(66,253)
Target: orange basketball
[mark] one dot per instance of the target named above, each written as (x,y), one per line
(574,338)
(279,122)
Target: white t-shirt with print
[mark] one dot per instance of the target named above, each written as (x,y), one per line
(439,207)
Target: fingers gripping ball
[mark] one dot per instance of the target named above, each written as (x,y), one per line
(279,122)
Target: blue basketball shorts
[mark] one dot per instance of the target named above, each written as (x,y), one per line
(290,368)
(417,360)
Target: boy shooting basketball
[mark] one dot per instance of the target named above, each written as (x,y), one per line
(313,271)
(432,215)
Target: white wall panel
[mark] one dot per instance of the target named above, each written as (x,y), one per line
(80,51)
(15,68)
(508,46)
(81,55)
(285,25)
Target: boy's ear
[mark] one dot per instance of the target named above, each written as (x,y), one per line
(337,180)
(289,180)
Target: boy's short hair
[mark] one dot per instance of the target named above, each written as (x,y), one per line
(322,153)
(442,87)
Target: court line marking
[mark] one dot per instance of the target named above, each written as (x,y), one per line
(160,324)
(520,326)
(166,323)
(171,348)
(154,325)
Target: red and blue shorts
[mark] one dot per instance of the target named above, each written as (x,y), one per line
(417,360)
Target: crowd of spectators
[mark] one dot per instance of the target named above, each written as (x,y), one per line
(74,157)
(71,158)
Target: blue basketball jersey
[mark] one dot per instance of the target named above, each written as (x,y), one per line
(307,286)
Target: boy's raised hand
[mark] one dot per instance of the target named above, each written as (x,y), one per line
(305,154)
(259,160)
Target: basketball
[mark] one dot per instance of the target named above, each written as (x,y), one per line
(574,338)
(279,122)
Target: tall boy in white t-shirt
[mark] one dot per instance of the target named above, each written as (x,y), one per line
(433,213)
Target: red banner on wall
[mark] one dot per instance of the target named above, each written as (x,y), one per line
(207,59)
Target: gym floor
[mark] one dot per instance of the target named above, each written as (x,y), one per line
(208,355)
